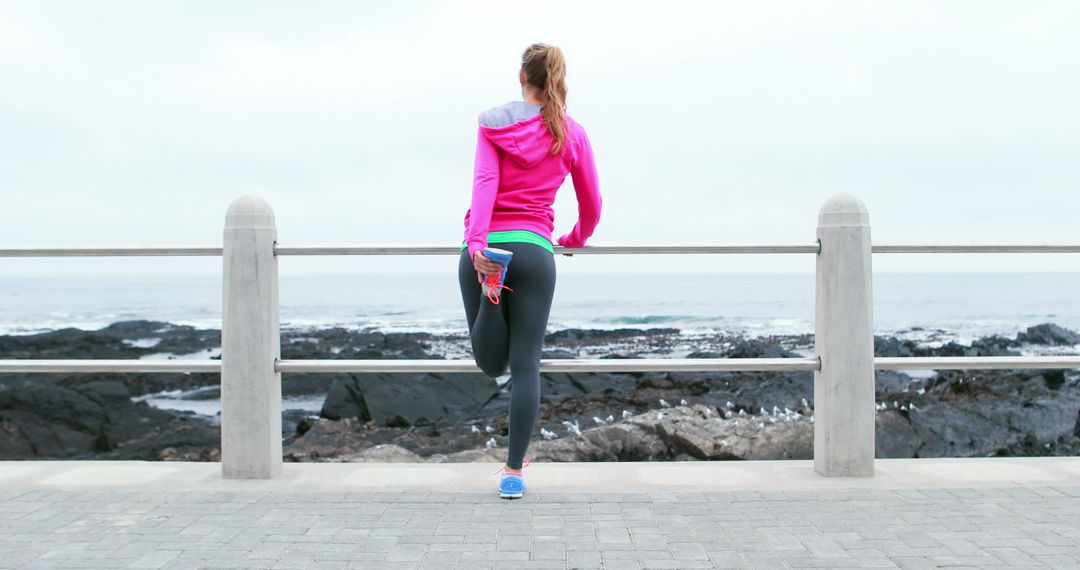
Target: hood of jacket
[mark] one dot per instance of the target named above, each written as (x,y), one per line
(527,141)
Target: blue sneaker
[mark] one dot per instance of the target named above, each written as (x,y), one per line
(512,486)
(492,285)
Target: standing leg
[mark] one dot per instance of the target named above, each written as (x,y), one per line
(531,279)
(488,328)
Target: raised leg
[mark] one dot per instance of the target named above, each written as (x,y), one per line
(488,327)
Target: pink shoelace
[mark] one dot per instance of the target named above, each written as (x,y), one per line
(524,464)
(492,281)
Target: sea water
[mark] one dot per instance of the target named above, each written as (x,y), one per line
(965,305)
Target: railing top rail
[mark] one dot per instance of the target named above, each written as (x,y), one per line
(118,251)
(975,248)
(439,249)
(811,247)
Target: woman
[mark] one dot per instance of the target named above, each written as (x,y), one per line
(524,151)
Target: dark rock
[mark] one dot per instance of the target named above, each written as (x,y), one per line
(558,354)
(575,338)
(893,381)
(378,396)
(293,422)
(186,440)
(71,420)
(994,346)
(755,348)
(328,439)
(705,354)
(1049,334)
(304,425)
(895,437)
(616,442)
(1055,379)
(892,347)
(397,421)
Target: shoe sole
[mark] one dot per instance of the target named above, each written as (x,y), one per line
(513,495)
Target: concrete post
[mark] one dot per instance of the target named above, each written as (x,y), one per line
(844,341)
(250,344)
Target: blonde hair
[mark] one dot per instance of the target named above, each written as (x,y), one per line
(545,69)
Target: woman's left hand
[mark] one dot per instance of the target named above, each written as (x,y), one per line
(484,265)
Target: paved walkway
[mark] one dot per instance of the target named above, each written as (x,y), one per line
(927,513)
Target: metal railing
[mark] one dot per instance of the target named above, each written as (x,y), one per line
(251,366)
(413,249)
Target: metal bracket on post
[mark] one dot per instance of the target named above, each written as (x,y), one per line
(844,341)
(250,344)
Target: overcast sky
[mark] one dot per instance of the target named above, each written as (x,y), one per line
(137,123)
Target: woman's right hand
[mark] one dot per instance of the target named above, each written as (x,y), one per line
(564,241)
(484,266)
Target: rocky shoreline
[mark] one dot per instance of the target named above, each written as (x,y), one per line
(653,416)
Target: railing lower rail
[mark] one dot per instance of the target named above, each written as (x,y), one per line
(318,366)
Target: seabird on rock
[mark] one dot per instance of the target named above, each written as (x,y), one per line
(489,429)
(598,420)
(742,412)
(475,429)
(682,402)
(491,443)
(728,414)
(548,434)
(609,419)
(664,404)
(729,404)
(626,414)
(805,403)
(572,427)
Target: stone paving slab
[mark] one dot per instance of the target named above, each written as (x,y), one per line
(992,513)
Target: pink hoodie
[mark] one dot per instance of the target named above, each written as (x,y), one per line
(515,179)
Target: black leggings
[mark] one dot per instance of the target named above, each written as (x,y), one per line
(512,332)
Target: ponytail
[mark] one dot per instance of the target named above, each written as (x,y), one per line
(545,69)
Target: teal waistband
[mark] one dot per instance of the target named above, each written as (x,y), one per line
(516,235)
